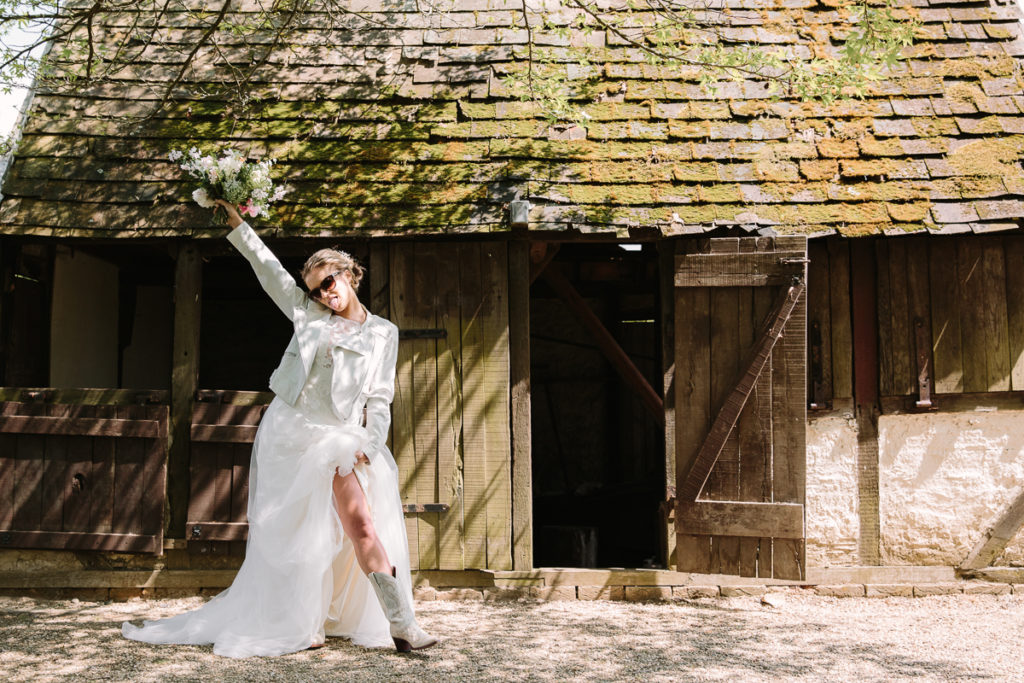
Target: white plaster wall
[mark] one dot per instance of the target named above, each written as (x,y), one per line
(944,479)
(831,513)
(83,324)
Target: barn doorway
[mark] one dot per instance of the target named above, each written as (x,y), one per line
(598,448)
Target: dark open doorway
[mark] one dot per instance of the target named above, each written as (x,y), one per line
(598,447)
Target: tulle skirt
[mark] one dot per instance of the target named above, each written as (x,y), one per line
(300,580)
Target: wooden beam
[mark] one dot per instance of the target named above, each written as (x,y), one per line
(751,520)
(224,433)
(619,359)
(541,254)
(82,426)
(184,382)
(730,412)
(217,531)
(519,387)
(71,540)
(995,538)
(666,287)
(755,269)
(864,311)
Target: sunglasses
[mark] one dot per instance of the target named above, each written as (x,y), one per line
(326,285)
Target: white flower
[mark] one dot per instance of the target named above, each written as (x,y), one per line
(203,199)
(174,155)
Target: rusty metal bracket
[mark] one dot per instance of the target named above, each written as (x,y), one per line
(924,365)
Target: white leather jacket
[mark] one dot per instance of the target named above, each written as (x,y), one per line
(364,373)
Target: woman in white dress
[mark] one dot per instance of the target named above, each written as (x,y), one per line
(327,553)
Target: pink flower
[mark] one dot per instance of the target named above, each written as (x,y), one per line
(248,209)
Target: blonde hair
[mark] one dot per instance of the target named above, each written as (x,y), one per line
(341,260)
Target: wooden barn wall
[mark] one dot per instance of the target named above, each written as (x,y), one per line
(450,416)
(450,426)
(951,305)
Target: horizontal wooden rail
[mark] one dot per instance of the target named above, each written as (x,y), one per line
(224,433)
(752,520)
(71,540)
(756,269)
(83,426)
(85,397)
(238,531)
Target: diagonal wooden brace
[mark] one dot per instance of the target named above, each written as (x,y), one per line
(726,419)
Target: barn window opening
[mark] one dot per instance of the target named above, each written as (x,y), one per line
(598,451)
(87,316)
(241,331)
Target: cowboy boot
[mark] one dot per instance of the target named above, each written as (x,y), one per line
(406,633)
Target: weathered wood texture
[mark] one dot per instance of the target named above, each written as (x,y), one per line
(740,357)
(221,446)
(184,380)
(520,416)
(451,412)
(864,316)
(947,310)
(961,295)
(84,477)
(830,342)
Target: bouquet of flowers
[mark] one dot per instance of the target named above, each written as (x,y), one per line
(230,177)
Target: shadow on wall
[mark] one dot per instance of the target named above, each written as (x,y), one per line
(944,479)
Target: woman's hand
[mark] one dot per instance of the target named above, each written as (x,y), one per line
(362,458)
(234,219)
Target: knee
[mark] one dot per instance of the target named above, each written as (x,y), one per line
(361,529)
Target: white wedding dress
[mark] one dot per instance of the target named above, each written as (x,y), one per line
(300,580)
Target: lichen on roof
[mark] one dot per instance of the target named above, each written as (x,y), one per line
(409,129)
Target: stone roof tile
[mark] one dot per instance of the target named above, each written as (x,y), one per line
(935,145)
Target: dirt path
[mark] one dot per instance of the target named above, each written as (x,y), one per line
(806,638)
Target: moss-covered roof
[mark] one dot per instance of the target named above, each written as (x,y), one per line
(408,129)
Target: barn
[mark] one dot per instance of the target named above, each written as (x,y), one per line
(703,332)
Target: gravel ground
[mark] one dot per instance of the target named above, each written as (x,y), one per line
(805,638)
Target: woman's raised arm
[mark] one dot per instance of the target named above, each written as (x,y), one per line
(274,278)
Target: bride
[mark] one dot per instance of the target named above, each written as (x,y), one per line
(326,530)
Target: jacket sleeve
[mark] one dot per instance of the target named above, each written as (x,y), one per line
(274,278)
(380,393)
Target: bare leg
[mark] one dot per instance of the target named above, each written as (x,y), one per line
(358,524)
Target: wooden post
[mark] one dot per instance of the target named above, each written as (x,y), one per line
(865,392)
(519,386)
(184,382)
(666,284)
(994,541)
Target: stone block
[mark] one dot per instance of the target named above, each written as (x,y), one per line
(167,593)
(505,594)
(844,590)
(601,593)
(550,593)
(926,589)
(424,593)
(986,588)
(460,594)
(125,594)
(889,590)
(694,592)
(743,591)
(648,593)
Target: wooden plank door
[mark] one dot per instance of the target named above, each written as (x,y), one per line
(450,426)
(222,435)
(82,477)
(740,406)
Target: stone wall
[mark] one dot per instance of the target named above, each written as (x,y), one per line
(944,479)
